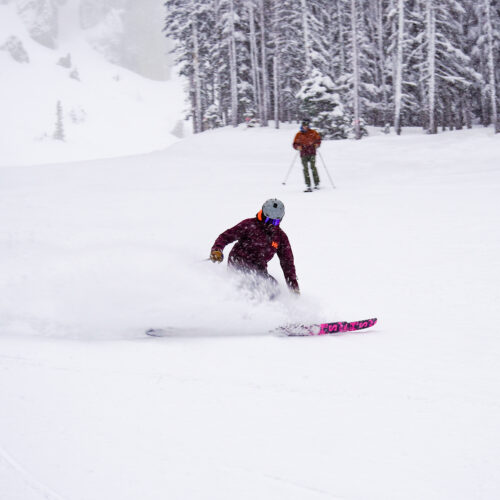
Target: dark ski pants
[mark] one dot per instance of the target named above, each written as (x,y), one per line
(311,159)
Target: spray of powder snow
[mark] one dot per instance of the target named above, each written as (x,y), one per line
(118,293)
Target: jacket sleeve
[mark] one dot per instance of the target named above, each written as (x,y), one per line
(230,235)
(317,139)
(297,142)
(286,261)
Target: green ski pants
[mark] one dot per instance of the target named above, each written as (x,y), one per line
(312,160)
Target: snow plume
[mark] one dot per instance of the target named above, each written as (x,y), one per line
(132,288)
(94,252)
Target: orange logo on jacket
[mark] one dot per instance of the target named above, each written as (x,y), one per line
(274,244)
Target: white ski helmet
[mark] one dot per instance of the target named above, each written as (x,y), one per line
(274,210)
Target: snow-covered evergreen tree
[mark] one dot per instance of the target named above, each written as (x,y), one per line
(192,25)
(212,118)
(74,74)
(375,19)
(251,7)
(58,134)
(65,61)
(289,51)
(321,104)
(491,46)
(447,69)
(399,62)
(231,41)
(14,46)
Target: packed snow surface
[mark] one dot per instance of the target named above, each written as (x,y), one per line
(93,253)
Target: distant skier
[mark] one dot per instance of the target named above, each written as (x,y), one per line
(257,241)
(307,141)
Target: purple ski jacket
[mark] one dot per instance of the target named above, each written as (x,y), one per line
(256,244)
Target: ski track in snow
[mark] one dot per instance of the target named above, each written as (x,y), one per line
(29,479)
(309,489)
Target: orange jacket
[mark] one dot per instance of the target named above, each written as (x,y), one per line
(308,141)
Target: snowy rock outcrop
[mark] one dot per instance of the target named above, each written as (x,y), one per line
(41,19)
(65,61)
(128,33)
(14,46)
(103,26)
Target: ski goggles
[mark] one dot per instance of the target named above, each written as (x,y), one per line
(268,220)
(274,222)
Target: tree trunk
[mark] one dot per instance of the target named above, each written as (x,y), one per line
(485,118)
(265,81)
(276,91)
(218,74)
(460,112)
(431,64)
(355,73)
(276,65)
(307,38)
(381,58)
(232,67)
(341,40)
(449,113)
(196,76)
(491,67)
(331,40)
(467,110)
(399,69)
(424,108)
(253,61)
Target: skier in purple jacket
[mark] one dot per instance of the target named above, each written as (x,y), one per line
(257,241)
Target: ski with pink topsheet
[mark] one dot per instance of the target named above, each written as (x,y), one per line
(300,330)
(290,330)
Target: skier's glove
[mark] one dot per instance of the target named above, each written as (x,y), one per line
(216,256)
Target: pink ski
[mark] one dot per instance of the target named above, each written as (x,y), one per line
(298,330)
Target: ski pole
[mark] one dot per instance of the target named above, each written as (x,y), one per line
(328,173)
(290,169)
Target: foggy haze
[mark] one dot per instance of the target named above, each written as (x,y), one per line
(127,32)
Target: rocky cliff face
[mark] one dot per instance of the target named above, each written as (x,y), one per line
(41,19)
(126,32)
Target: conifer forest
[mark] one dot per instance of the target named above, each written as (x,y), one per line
(343,63)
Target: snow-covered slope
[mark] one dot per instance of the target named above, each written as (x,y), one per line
(107,110)
(93,253)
